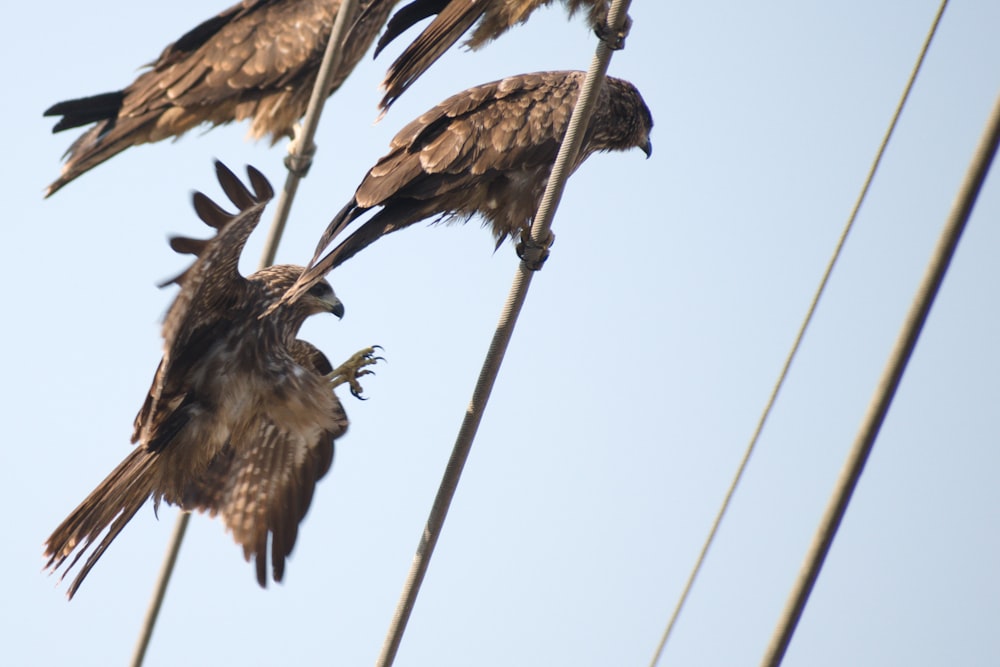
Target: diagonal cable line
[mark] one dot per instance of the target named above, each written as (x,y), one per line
(800,335)
(892,375)
(501,338)
(297,161)
(301,150)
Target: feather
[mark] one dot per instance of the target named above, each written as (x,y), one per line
(487,151)
(452,19)
(257,59)
(240,419)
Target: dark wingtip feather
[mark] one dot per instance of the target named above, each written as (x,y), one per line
(262,187)
(188,246)
(210,213)
(405,18)
(233,187)
(260,560)
(217,217)
(237,192)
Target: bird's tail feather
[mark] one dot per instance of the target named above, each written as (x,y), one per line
(89,149)
(405,18)
(451,22)
(110,506)
(86,110)
(98,144)
(386,221)
(344,217)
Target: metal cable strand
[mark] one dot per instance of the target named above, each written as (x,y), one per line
(892,374)
(582,112)
(300,156)
(301,150)
(498,345)
(160,589)
(702,555)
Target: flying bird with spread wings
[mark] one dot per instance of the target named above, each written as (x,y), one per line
(452,19)
(488,151)
(258,59)
(241,417)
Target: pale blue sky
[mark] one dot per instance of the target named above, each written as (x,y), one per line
(638,370)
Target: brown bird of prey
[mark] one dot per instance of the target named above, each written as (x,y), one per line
(487,150)
(241,417)
(452,19)
(258,59)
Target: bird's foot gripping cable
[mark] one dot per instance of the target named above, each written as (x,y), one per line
(300,157)
(534,254)
(354,368)
(615,39)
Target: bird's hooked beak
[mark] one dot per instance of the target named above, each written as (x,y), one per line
(336,307)
(648,148)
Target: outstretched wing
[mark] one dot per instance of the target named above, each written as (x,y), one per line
(262,483)
(213,294)
(213,282)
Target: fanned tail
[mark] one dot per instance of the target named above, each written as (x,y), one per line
(110,506)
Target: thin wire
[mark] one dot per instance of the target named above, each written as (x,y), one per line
(301,150)
(570,146)
(702,555)
(881,400)
(173,548)
(498,345)
(300,156)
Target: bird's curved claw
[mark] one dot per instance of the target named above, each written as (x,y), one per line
(354,368)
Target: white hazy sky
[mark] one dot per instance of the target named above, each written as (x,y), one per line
(638,370)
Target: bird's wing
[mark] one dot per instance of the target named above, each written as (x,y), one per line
(213,280)
(263,482)
(514,123)
(252,46)
(212,295)
(442,162)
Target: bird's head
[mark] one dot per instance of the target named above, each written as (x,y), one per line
(320,299)
(623,121)
(317,299)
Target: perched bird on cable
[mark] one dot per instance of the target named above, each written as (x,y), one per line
(258,59)
(452,19)
(241,417)
(487,150)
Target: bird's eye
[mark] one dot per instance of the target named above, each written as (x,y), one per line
(320,290)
